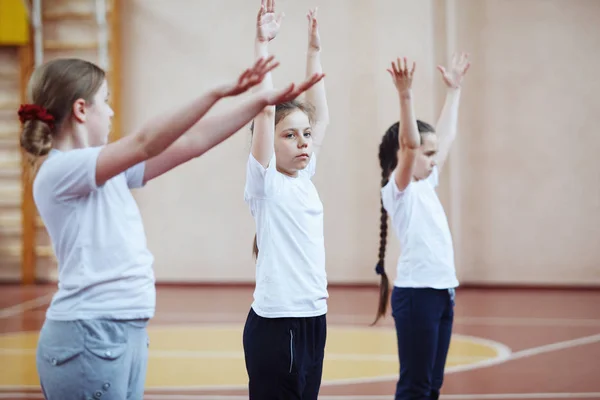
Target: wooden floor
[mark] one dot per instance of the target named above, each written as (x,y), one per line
(507,344)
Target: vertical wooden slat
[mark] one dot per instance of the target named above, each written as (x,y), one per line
(114,54)
(28,210)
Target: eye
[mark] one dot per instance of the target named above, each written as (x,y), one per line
(308,134)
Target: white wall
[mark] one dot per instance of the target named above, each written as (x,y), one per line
(523,203)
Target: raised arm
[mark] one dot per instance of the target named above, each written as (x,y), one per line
(160,132)
(408,137)
(448,121)
(212,130)
(316,96)
(267,27)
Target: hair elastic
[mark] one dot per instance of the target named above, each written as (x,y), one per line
(30,112)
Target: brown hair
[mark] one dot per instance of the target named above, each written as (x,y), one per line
(388,159)
(282,110)
(55,86)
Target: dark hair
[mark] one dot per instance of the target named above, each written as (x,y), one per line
(282,110)
(388,159)
(54,87)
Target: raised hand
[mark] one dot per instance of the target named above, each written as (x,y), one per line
(401,76)
(251,76)
(314,40)
(292,91)
(267,25)
(454,76)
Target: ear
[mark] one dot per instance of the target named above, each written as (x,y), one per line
(79,110)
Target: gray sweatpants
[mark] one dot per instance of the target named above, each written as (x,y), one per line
(93,359)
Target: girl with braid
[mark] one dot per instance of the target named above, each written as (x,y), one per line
(411,156)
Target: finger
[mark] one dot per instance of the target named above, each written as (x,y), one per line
(463,59)
(243,77)
(285,94)
(261,10)
(268,59)
(442,70)
(405,67)
(394,69)
(397,67)
(270,68)
(466,68)
(307,84)
(412,70)
(264,62)
(272,6)
(258,63)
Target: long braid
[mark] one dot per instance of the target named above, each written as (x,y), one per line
(387,159)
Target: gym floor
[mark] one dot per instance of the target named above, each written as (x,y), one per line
(507,344)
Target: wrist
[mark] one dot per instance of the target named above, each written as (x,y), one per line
(453,92)
(313,51)
(220,91)
(405,94)
(261,42)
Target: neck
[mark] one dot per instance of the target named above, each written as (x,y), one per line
(69,139)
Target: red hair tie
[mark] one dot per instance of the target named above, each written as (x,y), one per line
(30,112)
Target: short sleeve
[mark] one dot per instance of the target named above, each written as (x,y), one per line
(135,176)
(391,195)
(255,178)
(70,174)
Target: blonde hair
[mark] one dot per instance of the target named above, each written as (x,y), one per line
(53,88)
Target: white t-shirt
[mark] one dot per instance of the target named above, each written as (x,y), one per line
(290,269)
(104,266)
(420,223)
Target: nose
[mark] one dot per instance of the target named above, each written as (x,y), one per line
(302,142)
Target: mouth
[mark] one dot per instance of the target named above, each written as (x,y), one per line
(303,156)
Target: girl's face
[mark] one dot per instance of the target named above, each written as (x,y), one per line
(425,156)
(293,143)
(98,117)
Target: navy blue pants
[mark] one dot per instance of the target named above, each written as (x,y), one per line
(284,356)
(423,319)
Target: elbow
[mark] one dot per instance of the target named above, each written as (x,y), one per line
(145,146)
(410,143)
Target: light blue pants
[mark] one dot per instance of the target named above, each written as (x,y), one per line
(93,359)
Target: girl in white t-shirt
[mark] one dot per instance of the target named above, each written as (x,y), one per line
(411,155)
(285,332)
(93,342)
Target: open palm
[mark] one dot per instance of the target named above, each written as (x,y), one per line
(314,40)
(401,75)
(267,24)
(453,77)
(251,76)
